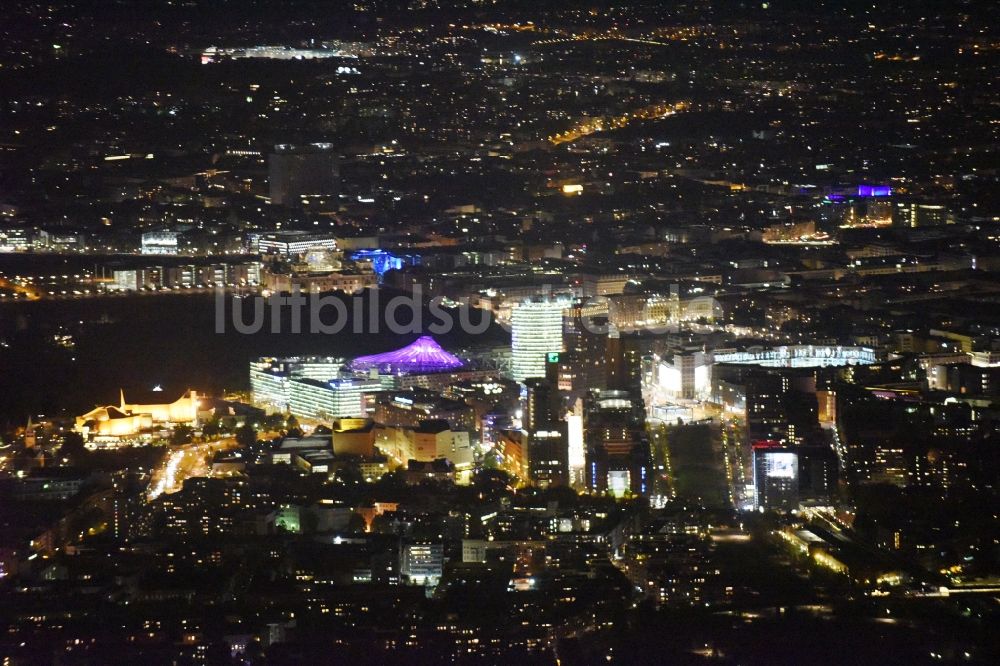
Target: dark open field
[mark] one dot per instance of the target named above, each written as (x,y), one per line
(697,465)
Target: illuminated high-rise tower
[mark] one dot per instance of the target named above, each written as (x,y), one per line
(775,476)
(536,331)
(548,455)
(617,456)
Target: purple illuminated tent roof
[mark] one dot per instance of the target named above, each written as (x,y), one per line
(424,355)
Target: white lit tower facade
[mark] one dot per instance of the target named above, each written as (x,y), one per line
(536,332)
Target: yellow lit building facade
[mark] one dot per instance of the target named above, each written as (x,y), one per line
(129,419)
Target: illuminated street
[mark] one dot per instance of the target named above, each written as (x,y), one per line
(184,462)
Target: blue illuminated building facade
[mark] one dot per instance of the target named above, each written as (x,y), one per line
(382,261)
(874,191)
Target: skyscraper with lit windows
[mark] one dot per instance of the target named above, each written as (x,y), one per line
(536,332)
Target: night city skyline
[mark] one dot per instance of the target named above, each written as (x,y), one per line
(485,331)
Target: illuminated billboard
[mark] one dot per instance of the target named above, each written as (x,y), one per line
(781,465)
(619,482)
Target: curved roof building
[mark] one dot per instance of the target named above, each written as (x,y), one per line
(422,356)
